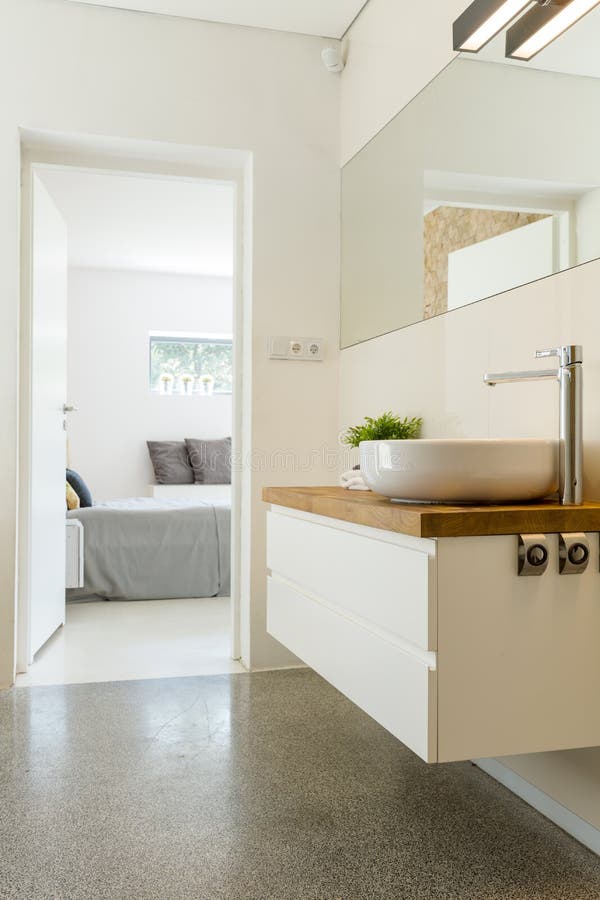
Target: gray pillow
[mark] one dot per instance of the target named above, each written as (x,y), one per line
(170,462)
(211,460)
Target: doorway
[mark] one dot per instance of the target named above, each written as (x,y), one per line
(129,259)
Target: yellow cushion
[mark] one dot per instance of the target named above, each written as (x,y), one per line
(72,498)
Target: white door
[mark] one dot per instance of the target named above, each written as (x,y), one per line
(501,263)
(48,437)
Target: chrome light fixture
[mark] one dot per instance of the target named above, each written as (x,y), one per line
(542,25)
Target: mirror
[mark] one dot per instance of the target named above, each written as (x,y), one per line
(489,179)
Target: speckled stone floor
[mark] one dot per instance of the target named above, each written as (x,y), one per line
(253,787)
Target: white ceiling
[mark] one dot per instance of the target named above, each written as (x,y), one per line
(323,18)
(153,224)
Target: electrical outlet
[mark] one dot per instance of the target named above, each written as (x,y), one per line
(302,349)
(314,349)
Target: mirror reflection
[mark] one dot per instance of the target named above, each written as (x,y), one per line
(489,179)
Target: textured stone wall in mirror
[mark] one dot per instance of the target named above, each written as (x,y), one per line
(487,180)
(448,229)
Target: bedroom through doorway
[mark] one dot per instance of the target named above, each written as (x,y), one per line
(132,382)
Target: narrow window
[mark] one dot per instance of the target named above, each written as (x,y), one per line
(191,364)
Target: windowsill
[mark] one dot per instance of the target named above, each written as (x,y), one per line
(195,394)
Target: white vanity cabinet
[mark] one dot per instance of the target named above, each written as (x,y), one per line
(439,639)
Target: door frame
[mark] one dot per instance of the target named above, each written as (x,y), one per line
(23,618)
(232,167)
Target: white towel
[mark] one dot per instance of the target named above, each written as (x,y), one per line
(353,481)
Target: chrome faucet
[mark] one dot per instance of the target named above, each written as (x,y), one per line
(570,379)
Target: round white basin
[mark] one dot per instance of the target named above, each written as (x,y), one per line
(461,471)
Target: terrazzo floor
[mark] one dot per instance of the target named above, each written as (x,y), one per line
(269,786)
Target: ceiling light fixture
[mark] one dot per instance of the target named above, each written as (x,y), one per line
(483,20)
(542,25)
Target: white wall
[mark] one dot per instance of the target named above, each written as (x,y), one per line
(587,214)
(111,314)
(435,368)
(394,50)
(499,263)
(97,71)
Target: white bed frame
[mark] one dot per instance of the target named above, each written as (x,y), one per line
(191,491)
(74,554)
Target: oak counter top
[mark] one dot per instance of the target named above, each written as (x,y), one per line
(425,521)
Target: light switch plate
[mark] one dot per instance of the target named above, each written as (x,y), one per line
(278,347)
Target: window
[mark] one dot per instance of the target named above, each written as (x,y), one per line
(191,364)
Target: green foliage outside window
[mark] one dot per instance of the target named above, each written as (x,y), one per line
(192,356)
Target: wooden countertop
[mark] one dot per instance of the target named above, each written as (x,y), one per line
(435,521)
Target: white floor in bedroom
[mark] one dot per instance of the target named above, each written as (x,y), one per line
(122,641)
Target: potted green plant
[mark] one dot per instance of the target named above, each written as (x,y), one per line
(207,384)
(388,427)
(166,383)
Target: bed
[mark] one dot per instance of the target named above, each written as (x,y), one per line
(148,548)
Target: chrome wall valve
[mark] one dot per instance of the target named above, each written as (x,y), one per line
(574,553)
(534,554)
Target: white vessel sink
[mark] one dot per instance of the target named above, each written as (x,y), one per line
(461,471)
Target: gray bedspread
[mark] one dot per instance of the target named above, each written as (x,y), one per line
(147,549)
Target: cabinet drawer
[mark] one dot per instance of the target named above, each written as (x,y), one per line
(394,687)
(391,586)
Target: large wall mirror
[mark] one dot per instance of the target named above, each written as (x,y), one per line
(489,179)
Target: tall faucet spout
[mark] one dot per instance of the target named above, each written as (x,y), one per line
(570,379)
(507,377)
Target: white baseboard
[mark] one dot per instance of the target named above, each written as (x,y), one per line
(278,668)
(552,809)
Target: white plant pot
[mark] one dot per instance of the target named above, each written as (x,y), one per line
(166,387)
(207,387)
(187,388)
